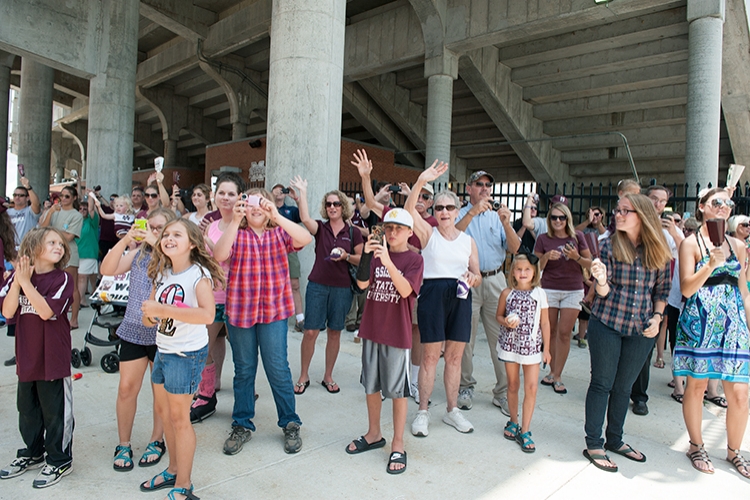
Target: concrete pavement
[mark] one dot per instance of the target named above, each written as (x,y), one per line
(446,464)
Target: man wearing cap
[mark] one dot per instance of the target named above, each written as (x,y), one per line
(291,213)
(494,235)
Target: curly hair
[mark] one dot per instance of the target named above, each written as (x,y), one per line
(8,237)
(124,198)
(198,254)
(32,245)
(346,208)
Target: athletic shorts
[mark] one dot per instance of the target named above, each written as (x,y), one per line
(385,369)
(294,267)
(179,373)
(564,299)
(88,266)
(130,351)
(442,315)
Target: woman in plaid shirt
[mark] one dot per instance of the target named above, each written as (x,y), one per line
(632,284)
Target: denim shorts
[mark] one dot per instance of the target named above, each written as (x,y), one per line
(220,314)
(326,306)
(179,373)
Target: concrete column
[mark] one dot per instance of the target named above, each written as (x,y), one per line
(112,100)
(170,153)
(35,124)
(306,81)
(239,131)
(4,106)
(439,114)
(706,18)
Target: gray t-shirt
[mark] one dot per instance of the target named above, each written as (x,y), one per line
(71,222)
(23,220)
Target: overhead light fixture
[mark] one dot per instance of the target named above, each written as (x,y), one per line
(602,1)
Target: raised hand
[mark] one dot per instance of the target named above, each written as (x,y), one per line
(435,170)
(599,271)
(24,270)
(363,164)
(151,179)
(269,208)
(299,184)
(504,213)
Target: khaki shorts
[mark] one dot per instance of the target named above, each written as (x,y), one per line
(564,299)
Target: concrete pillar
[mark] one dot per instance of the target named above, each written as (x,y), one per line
(706,18)
(35,124)
(112,100)
(439,114)
(4,106)
(239,131)
(170,153)
(306,81)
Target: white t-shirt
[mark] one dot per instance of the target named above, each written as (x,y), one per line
(173,336)
(444,258)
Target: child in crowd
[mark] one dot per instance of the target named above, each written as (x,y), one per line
(394,275)
(181,305)
(124,214)
(44,292)
(524,340)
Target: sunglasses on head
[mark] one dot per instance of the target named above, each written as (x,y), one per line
(330,204)
(440,208)
(533,259)
(558,217)
(151,195)
(719,202)
(480,184)
(426,196)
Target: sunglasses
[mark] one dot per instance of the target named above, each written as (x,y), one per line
(597,214)
(330,204)
(718,203)
(481,184)
(440,208)
(676,220)
(19,195)
(66,196)
(151,195)
(745,224)
(533,259)
(426,196)
(558,217)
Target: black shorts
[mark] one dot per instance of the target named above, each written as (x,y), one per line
(442,315)
(131,352)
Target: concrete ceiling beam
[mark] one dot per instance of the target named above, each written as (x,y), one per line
(646,168)
(493,162)
(607,122)
(510,174)
(664,150)
(503,101)
(180,17)
(635,136)
(71,85)
(471,137)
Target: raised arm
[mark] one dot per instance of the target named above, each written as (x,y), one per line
(364,167)
(422,229)
(36,207)
(300,185)
(223,247)
(300,235)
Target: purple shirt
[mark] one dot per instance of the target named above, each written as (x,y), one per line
(561,274)
(328,272)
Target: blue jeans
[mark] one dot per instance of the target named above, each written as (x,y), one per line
(270,338)
(616,360)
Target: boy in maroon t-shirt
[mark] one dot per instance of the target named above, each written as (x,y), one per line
(394,275)
(38,296)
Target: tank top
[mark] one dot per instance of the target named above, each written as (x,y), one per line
(444,258)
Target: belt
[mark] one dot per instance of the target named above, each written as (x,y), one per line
(487,274)
(722,279)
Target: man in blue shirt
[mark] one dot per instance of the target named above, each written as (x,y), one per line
(494,235)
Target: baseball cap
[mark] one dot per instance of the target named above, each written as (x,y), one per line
(399,216)
(558,198)
(479,174)
(428,187)
(277,185)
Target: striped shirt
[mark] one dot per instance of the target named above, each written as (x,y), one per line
(634,289)
(258,286)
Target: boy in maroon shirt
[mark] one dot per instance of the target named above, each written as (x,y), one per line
(394,275)
(38,296)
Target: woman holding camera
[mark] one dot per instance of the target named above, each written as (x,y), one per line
(563,254)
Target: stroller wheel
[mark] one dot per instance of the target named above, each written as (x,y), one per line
(110,362)
(75,358)
(86,356)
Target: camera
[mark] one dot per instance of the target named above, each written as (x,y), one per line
(285,190)
(395,189)
(496,205)
(243,197)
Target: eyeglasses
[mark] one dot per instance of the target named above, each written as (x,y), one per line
(658,202)
(151,195)
(719,202)
(558,217)
(481,184)
(623,212)
(330,204)
(426,196)
(440,208)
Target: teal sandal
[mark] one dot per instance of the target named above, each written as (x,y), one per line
(511,428)
(124,453)
(168,481)
(525,442)
(155,448)
(182,491)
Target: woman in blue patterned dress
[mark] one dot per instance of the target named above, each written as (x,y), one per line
(712,333)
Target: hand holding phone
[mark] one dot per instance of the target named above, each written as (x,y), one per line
(21,170)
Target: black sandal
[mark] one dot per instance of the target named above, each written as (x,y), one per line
(739,461)
(361,445)
(700,455)
(396,458)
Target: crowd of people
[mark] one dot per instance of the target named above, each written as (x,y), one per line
(413,281)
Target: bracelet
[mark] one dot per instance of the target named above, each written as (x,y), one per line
(660,314)
(597,282)
(579,258)
(347,257)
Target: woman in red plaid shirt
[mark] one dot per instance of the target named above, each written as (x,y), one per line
(259,303)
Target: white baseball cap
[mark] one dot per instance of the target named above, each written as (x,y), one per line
(399,216)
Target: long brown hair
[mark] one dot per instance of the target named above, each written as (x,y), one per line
(570,229)
(656,252)
(8,236)
(703,199)
(198,255)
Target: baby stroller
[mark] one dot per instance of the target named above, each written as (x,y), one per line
(107,315)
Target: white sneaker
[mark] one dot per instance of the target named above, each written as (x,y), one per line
(414,390)
(420,425)
(465,397)
(456,419)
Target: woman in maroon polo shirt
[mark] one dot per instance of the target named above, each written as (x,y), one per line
(328,294)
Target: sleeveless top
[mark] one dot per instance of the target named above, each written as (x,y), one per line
(444,258)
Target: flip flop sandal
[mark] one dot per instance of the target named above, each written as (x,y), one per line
(124,453)
(513,428)
(156,448)
(592,457)
(361,445)
(717,400)
(151,485)
(525,442)
(677,397)
(548,380)
(182,491)
(396,458)
(561,391)
(700,455)
(303,386)
(671,384)
(328,386)
(739,462)
(659,363)
(624,452)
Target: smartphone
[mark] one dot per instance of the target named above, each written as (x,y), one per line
(394,188)
(21,170)
(175,177)
(377,233)
(666,215)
